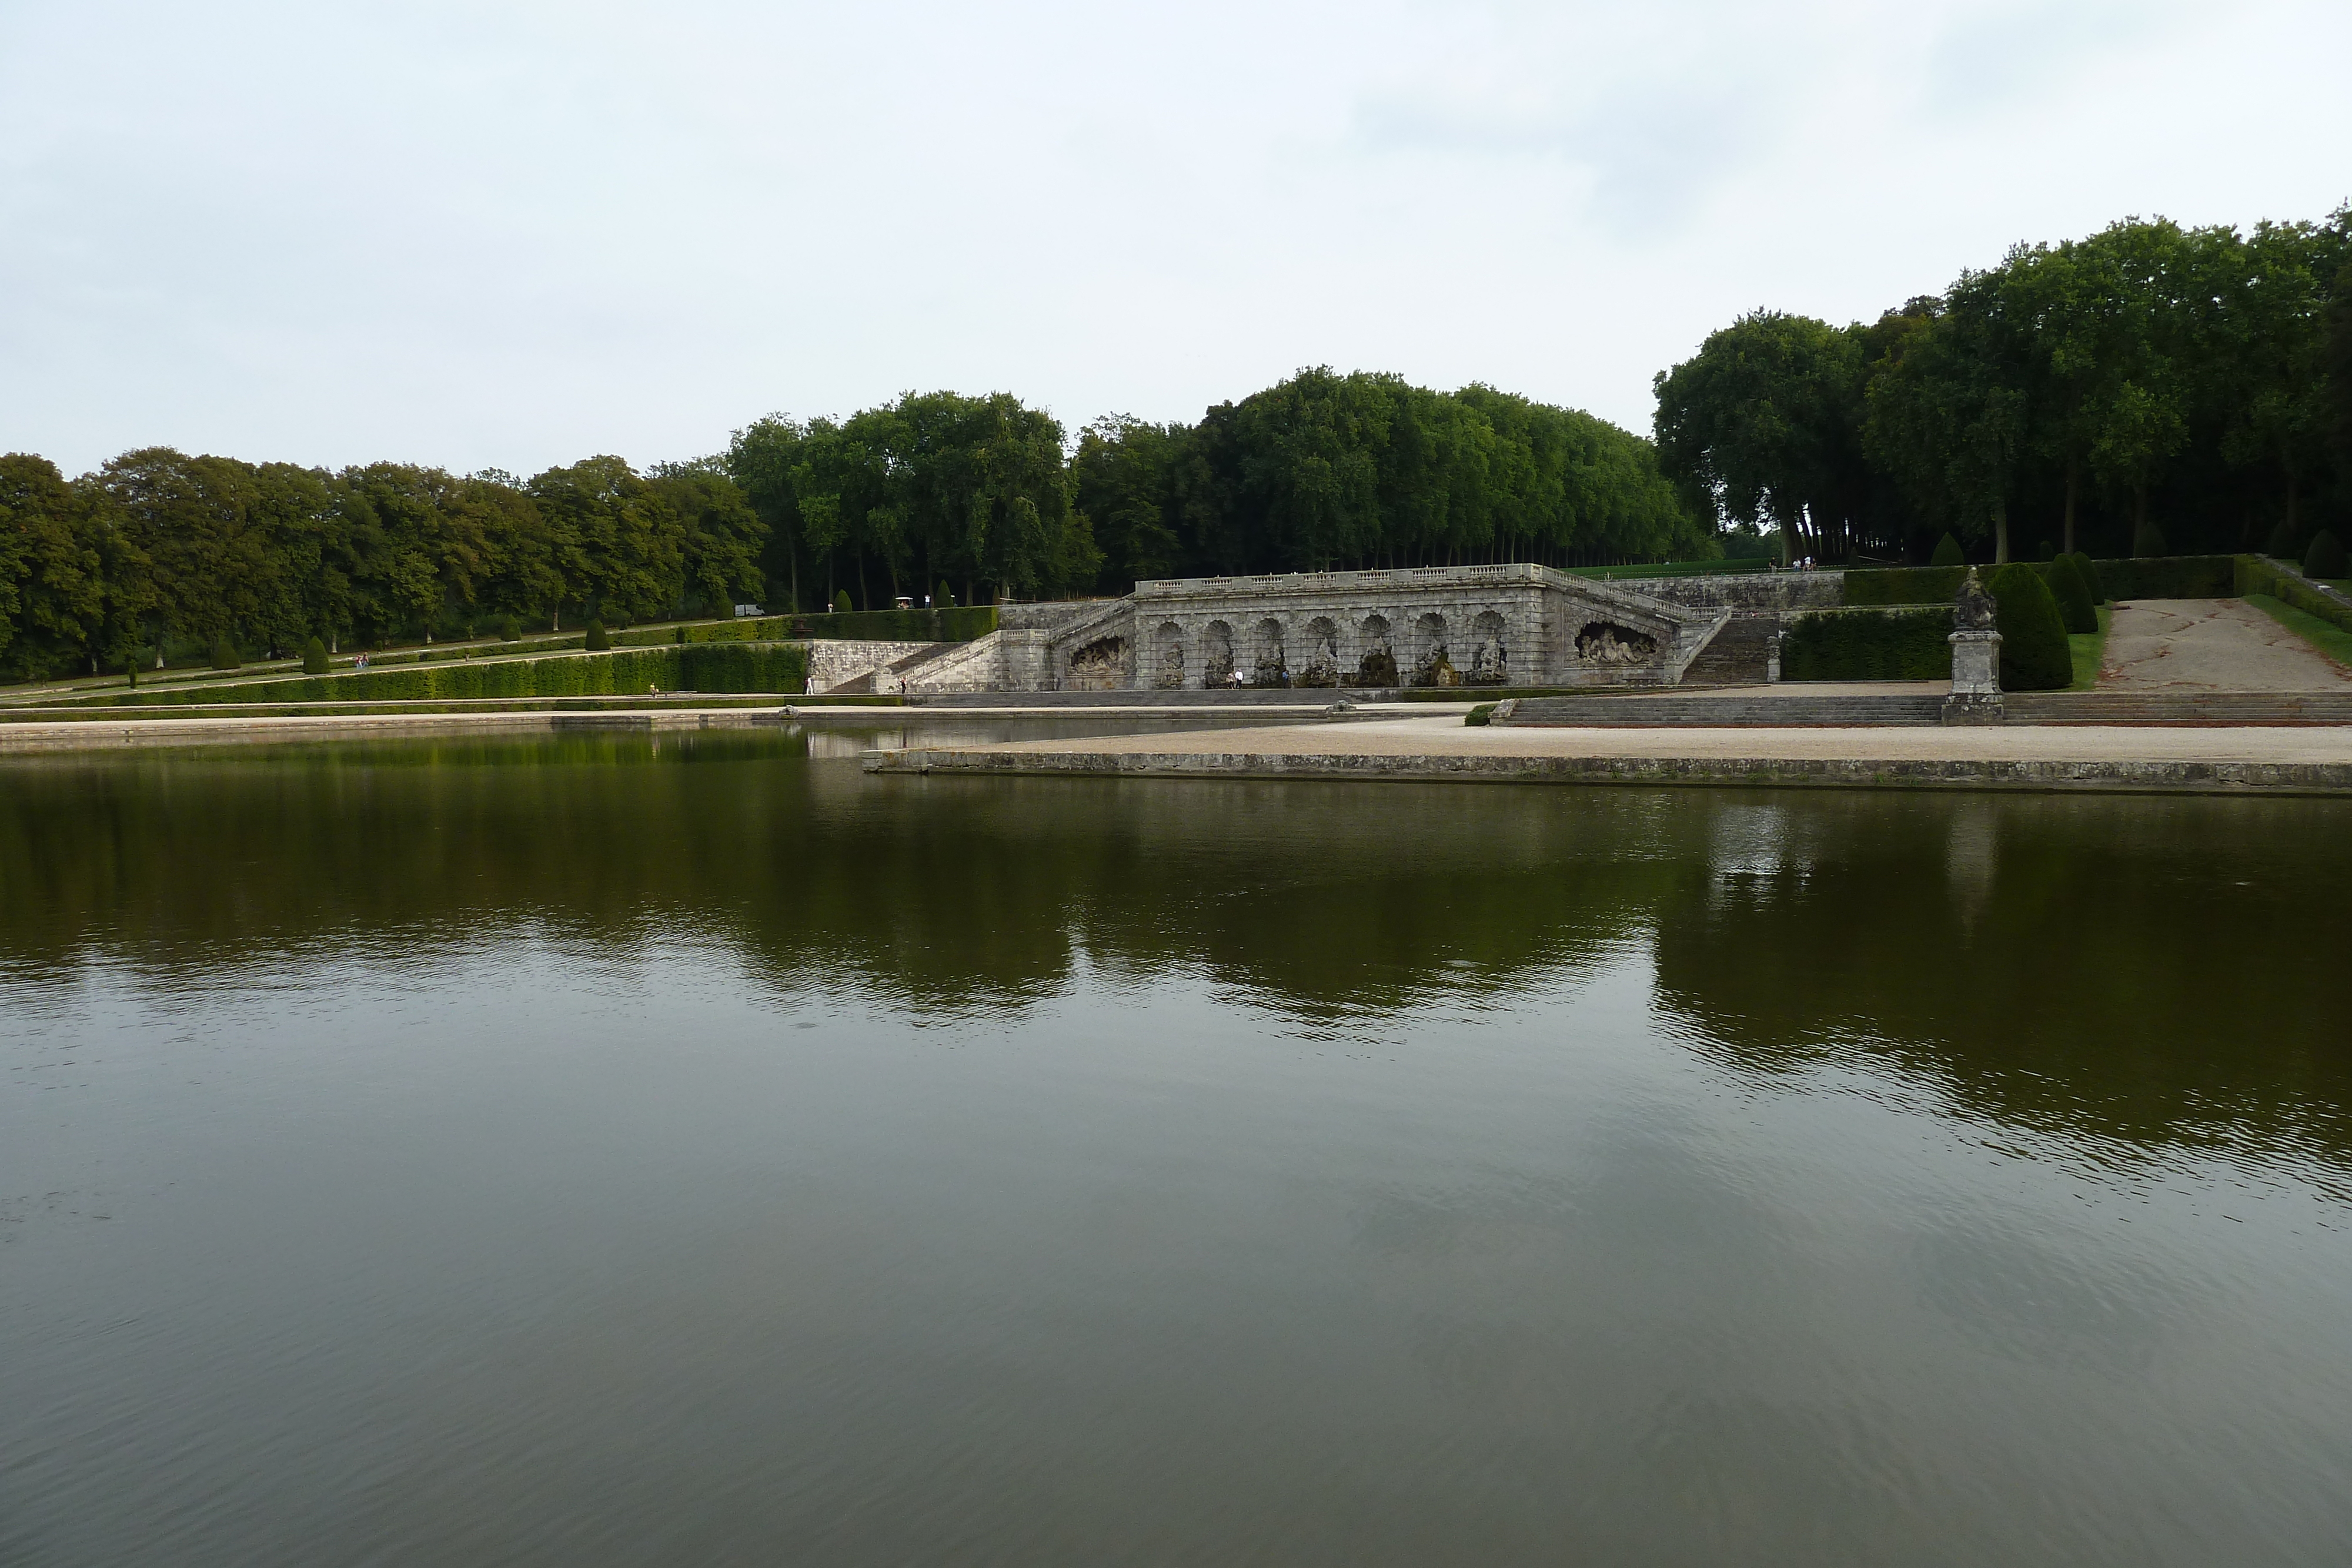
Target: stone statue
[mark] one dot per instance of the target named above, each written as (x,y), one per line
(1975,607)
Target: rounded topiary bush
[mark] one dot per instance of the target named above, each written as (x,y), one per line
(2077,608)
(509,628)
(1947,553)
(224,655)
(314,657)
(599,640)
(2324,557)
(2282,545)
(2147,541)
(2033,653)
(2090,570)
(841,602)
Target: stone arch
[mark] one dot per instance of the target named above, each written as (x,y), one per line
(1167,657)
(1097,666)
(1433,667)
(1217,654)
(1267,666)
(1322,654)
(1377,666)
(1490,658)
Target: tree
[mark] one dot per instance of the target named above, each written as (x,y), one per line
(1948,412)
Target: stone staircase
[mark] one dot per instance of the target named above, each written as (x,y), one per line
(1732,708)
(2179,707)
(866,685)
(1735,655)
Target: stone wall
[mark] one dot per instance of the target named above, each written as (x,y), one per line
(835,661)
(1745,591)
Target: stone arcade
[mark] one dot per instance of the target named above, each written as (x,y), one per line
(1431,626)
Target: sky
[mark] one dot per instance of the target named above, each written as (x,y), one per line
(515,235)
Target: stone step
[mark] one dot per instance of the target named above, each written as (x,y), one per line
(2179,707)
(1737,654)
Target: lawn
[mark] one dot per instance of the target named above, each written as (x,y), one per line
(2328,638)
(2086,647)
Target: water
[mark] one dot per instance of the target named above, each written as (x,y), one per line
(597,1152)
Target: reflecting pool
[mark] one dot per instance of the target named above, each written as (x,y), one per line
(617,1150)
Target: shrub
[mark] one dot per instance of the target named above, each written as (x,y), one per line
(2170,577)
(599,640)
(841,602)
(1904,585)
(2148,541)
(943,597)
(2090,577)
(2077,608)
(697,667)
(1909,644)
(314,657)
(509,628)
(1483,714)
(1947,553)
(224,656)
(2034,656)
(2325,558)
(2282,545)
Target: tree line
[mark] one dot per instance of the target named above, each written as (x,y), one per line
(160,554)
(2149,389)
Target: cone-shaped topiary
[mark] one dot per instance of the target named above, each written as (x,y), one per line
(598,639)
(2084,564)
(314,657)
(2282,545)
(2147,541)
(1947,553)
(2033,653)
(224,655)
(2075,606)
(841,602)
(944,598)
(509,628)
(2325,558)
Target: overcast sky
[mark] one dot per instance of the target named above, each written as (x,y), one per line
(511,235)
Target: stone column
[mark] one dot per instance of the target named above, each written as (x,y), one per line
(1976,659)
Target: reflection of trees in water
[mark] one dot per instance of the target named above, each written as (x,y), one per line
(2145,967)
(2138,967)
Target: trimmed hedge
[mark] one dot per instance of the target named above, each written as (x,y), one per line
(1904,585)
(2256,575)
(2035,654)
(773,667)
(2170,577)
(1948,553)
(2084,564)
(1907,643)
(2077,608)
(2325,558)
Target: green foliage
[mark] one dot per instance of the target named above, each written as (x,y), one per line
(943,597)
(2330,637)
(2148,541)
(1479,716)
(2076,608)
(2092,582)
(720,667)
(2170,577)
(599,640)
(1947,553)
(2282,540)
(2034,656)
(1671,569)
(509,628)
(2255,576)
(314,657)
(841,602)
(897,625)
(1904,585)
(2325,558)
(1907,643)
(224,655)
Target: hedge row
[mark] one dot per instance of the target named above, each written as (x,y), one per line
(1904,585)
(695,667)
(2255,575)
(2170,577)
(1907,643)
(1672,568)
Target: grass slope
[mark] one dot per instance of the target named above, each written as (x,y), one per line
(2087,648)
(2332,640)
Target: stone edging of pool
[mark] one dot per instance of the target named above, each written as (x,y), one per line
(2148,776)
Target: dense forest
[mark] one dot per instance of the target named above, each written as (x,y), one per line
(2149,389)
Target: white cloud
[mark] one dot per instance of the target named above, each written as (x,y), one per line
(515,235)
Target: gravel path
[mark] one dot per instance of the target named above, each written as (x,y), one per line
(2210,646)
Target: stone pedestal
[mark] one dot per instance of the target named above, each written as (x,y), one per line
(1976,677)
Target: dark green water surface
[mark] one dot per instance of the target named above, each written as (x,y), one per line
(593,1152)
